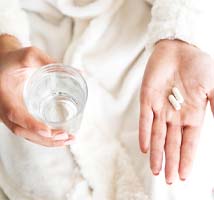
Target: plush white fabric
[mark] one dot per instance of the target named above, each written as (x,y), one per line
(13,21)
(187,20)
(2,195)
(106,40)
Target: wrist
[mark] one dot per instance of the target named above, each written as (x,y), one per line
(9,43)
(174,44)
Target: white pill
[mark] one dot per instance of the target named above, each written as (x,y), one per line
(174,102)
(177,95)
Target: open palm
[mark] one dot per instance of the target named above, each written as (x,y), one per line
(162,128)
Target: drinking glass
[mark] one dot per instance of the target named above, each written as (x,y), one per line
(56,94)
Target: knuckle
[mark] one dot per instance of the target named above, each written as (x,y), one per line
(30,125)
(172,146)
(28,55)
(174,124)
(158,135)
(156,152)
(158,114)
(31,50)
(10,115)
(143,129)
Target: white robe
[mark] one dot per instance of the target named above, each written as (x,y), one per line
(110,41)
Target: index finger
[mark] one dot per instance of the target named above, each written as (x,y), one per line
(145,122)
(21,117)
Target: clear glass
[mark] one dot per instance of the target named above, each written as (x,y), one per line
(56,94)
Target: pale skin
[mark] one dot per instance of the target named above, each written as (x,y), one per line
(16,63)
(162,128)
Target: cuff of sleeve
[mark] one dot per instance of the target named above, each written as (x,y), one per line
(185,20)
(13,21)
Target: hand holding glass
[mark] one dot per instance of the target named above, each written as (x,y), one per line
(56,94)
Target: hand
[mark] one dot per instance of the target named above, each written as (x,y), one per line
(16,64)
(162,128)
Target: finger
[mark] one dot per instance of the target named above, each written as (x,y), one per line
(21,117)
(188,149)
(145,125)
(172,152)
(29,57)
(157,144)
(60,134)
(37,139)
(33,57)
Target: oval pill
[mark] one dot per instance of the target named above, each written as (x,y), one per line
(177,95)
(174,102)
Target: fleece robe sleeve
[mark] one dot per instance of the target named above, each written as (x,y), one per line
(13,21)
(187,20)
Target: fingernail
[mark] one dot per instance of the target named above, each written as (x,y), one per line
(156,173)
(63,136)
(45,134)
(69,142)
(71,136)
(183,179)
(169,183)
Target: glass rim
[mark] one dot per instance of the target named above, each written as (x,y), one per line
(68,69)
